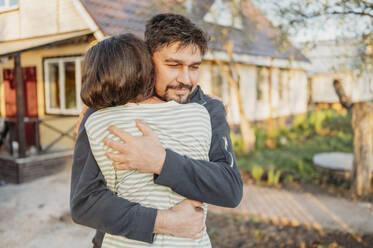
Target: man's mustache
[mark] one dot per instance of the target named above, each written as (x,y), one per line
(179,86)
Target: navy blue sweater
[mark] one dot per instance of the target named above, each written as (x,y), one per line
(217,181)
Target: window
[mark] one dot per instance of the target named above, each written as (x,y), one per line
(283,87)
(282,84)
(62,85)
(219,84)
(225,13)
(8,5)
(216,82)
(261,79)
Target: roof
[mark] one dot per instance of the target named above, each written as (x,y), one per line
(8,48)
(258,37)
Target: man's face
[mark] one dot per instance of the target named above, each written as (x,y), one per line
(176,71)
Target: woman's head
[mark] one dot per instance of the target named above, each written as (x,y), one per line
(115,71)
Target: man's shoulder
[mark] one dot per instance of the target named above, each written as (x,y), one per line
(87,114)
(212,105)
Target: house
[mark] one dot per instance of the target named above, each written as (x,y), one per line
(41,47)
(51,37)
(338,60)
(42,44)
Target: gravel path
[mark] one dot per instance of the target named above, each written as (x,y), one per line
(36,215)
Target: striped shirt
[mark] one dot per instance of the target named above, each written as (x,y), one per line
(184,128)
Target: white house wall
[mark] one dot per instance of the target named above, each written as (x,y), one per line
(294,102)
(38,18)
(205,78)
(9,25)
(69,17)
(358,88)
(298,91)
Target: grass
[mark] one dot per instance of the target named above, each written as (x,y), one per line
(322,131)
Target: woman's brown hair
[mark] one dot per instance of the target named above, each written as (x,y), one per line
(115,71)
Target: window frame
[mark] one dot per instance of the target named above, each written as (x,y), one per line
(216,75)
(8,7)
(62,83)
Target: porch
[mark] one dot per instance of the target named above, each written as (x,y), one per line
(23,157)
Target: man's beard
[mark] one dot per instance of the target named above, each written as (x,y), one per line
(177,98)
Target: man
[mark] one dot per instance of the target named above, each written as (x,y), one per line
(177,47)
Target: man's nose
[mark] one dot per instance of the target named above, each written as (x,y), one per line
(184,76)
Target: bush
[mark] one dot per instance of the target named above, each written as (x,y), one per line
(316,132)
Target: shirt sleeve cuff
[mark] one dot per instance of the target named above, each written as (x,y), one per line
(144,230)
(170,171)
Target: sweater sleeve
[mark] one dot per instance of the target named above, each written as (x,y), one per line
(92,204)
(217,181)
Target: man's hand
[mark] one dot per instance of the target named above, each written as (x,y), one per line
(144,154)
(184,220)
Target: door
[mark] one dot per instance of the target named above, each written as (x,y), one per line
(30,98)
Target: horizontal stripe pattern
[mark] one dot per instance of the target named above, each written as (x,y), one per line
(184,128)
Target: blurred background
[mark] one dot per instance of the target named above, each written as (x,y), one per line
(296,78)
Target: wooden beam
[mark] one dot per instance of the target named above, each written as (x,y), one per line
(20,106)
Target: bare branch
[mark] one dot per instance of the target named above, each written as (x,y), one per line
(351,12)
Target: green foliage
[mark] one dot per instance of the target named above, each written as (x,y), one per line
(288,179)
(316,132)
(258,234)
(260,138)
(274,177)
(237,144)
(257,173)
(327,122)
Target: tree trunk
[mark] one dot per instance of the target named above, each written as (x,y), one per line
(247,132)
(362,123)
(270,99)
(269,142)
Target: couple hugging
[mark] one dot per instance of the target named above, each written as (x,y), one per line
(152,149)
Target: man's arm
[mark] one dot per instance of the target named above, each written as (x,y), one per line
(92,204)
(217,181)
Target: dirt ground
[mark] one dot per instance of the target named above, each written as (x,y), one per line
(239,231)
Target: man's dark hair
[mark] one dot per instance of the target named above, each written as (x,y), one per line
(165,29)
(115,71)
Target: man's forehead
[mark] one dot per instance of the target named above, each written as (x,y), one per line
(177,51)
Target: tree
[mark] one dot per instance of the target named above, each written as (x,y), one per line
(351,19)
(233,78)
(308,20)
